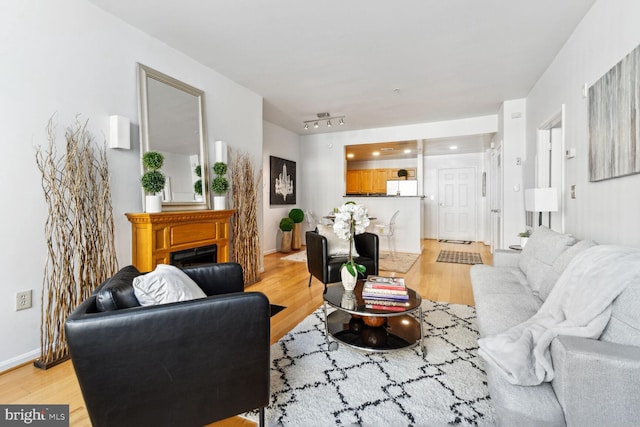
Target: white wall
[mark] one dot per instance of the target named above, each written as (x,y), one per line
(69,57)
(605,211)
(323,162)
(513,139)
(285,144)
(430,203)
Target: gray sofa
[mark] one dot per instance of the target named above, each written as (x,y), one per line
(597,382)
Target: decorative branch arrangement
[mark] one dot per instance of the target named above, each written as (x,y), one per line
(246,241)
(79,232)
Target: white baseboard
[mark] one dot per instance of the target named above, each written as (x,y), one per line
(270,251)
(5,365)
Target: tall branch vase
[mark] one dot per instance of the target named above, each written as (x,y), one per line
(245,237)
(79,233)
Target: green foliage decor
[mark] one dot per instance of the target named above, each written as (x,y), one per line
(152,180)
(219,184)
(297,215)
(197,187)
(286,224)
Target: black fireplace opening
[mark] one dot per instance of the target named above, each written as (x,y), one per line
(196,256)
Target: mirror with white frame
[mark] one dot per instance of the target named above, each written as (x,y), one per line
(172,122)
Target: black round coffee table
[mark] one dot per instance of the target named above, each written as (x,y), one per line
(355,325)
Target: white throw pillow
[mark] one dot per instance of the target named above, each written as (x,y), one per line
(335,245)
(165,284)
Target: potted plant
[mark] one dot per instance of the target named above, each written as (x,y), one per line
(524,237)
(197,186)
(219,186)
(286,225)
(351,219)
(297,215)
(152,180)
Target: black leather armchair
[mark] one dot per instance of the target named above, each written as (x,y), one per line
(327,269)
(180,364)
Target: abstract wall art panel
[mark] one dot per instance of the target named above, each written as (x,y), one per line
(614,121)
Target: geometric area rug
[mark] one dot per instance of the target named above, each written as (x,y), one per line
(312,386)
(459,257)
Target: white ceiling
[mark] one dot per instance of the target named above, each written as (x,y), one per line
(449,59)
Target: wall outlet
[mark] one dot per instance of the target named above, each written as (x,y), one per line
(23,300)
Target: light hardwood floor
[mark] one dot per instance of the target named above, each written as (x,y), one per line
(284,283)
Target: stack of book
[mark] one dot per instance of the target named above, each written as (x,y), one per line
(385,293)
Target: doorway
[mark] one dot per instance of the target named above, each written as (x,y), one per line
(495,198)
(457,204)
(550,167)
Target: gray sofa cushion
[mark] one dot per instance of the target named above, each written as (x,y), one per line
(624,325)
(543,247)
(523,406)
(559,266)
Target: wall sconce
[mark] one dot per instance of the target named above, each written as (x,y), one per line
(322,117)
(119,132)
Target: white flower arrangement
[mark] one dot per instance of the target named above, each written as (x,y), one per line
(351,219)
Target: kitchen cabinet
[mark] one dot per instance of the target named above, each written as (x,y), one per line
(373,181)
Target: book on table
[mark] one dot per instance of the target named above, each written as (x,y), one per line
(387,303)
(384,307)
(385,288)
(385,297)
(383,282)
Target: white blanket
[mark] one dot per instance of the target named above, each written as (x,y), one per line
(579,305)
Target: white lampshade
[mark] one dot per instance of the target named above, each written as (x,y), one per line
(541,200)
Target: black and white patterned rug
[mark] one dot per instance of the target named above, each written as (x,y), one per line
(313,386)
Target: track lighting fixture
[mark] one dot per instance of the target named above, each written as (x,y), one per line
(323,116)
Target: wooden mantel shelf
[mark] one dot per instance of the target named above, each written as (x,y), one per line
(155,235)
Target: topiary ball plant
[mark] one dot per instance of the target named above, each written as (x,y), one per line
(219,184)
(197,187)
(286,224)
(297,215)
(152,180)
(220,168)
(152,160)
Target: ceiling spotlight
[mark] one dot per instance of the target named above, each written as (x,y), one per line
(341,122)
(315,125)
(350,156)
(407,151)
(376,153)
(306,126)
(328,123)
(453,147)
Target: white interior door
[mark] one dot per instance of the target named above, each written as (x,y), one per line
(457,204)
(495,199)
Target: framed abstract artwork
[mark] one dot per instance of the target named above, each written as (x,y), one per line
(614,121)
(282,190)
